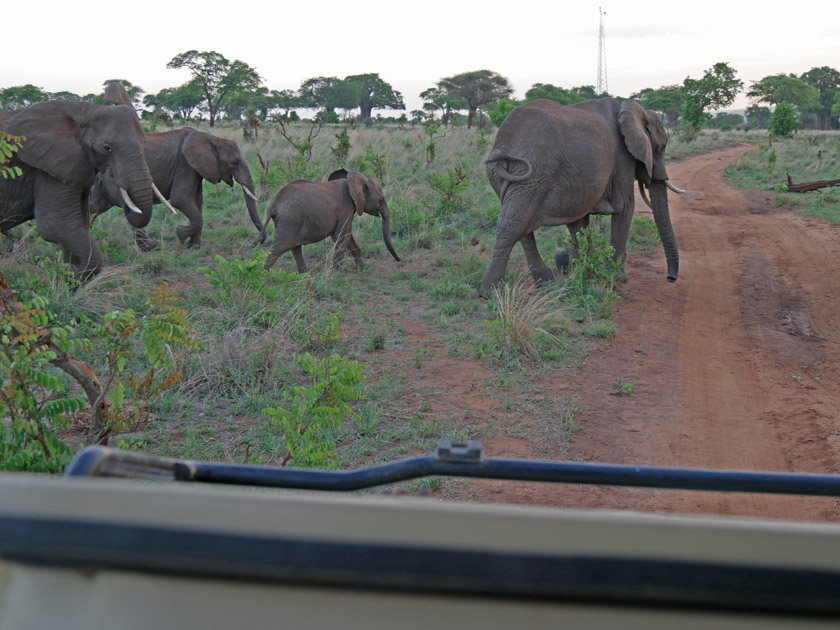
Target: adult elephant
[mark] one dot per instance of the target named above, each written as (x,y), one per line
(308,212)
(66,144)
(555,164)
(179,160)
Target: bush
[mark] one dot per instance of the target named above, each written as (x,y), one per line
(784,121)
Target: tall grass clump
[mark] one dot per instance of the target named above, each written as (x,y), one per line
(527,320)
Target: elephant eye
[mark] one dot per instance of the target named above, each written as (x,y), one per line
(107,148)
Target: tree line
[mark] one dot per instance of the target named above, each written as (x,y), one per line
(220,88)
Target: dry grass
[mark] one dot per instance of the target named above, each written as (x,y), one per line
(528,317)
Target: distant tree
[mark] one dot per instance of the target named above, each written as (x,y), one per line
(666,100)
(373,93)
(435,99)
(715,90)
(784,121)
(65,96)
(758,116)
(587,92)
(21,96)
(327,94)
(783,88)
(476,88)
(726,121)
(827,82)
(281,103)
(500,110)
(180,101)
(552,93)
(217,77)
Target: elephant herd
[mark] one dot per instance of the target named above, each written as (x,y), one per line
(550,164)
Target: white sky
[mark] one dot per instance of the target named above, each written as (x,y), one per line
(76,46)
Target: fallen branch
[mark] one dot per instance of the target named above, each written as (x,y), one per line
(811,186)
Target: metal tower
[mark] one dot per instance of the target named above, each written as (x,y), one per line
(602,57)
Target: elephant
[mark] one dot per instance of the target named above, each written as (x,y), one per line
(307,212)
(178,161)
(66,143)
(555,164)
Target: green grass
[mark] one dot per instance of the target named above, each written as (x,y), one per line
(809,156)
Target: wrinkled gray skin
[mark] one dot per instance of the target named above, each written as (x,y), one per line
(555,164)
(178,161)
(67,144)
(308,212)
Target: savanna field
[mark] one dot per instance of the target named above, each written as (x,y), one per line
(208,356)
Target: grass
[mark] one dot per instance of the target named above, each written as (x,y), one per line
(808,156)
(406,322)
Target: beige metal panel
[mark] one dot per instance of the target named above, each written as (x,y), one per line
(42,599)
(424,522)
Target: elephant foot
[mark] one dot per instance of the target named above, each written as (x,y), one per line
(188,238)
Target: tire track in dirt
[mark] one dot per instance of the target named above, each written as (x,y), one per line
(733,366)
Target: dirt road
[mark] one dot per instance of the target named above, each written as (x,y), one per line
(734,366)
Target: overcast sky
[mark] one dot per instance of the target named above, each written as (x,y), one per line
(76,46)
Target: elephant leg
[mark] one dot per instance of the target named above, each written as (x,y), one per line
(619,233)
(285,239)
(538,269)
(145,242)
(508,233)
(61,217)
(189,199)
(297,252)
(574,230)
(356,251)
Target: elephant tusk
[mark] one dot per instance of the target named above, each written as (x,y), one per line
(129,202)
(163,199)
(249,193)
(644,196)
(673,188)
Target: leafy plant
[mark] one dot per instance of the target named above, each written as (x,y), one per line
(451,186)
(35,401)
(9,145)
(313,412)
(622,389)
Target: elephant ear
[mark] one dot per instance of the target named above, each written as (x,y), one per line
(200,153)
(115,93)
(358,183)
(51,140)
(339,174)
(633,123)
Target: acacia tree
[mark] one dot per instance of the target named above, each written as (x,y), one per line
(715,90)
(476,88)
(827,83)
(217,77)
(180,101)
(373,93)
(666,100)
(327,94)
(21,96)
(783,88)
(553,93)
(435,99)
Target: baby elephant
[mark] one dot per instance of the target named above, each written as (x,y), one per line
(307,212)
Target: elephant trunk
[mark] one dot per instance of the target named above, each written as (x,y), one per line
(138,187)
(386,230)
(243,176)
(662,217)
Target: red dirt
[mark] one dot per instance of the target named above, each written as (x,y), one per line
(734,366)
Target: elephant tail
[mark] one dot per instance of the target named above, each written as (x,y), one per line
(261,238)
(507,175)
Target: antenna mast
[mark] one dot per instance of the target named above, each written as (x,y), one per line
(602,57)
